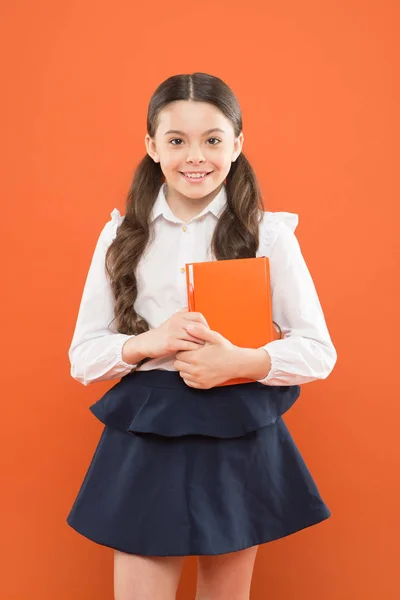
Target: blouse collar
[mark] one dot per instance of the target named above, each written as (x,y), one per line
(161,207)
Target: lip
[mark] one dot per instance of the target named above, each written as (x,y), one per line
(195,172)
(195,180)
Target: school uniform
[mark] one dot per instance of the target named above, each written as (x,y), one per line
(181,471)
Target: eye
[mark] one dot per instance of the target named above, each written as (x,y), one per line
(180,140)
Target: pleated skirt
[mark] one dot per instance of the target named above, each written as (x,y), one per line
(179,471)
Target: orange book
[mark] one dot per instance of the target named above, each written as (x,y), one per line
(235,298)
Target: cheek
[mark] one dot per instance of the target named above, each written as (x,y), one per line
(170,162)
(168,158)
(223,160)
(225,165)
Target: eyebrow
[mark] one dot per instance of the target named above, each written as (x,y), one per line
(183,133)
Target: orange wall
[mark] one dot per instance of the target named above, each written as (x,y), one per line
(315,82)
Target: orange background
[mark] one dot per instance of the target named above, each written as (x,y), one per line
(316,82)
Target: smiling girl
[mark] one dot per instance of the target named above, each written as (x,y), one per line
(183,467)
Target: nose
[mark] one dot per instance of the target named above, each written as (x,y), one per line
(195,155)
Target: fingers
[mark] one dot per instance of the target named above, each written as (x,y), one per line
(183,368)
(183,334)
(191,315)
(185,346)
(201,332)
(186,337)
(185,374)
(196,316)
(176,325)
(189,382)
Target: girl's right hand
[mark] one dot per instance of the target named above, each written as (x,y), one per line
(171,336)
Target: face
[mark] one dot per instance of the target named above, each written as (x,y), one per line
(194,138)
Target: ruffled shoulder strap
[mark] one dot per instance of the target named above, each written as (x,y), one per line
(270,225)
(115,222)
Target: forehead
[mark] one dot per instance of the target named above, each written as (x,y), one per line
(192,117)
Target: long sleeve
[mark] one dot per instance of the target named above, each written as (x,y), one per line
(306,352)
(96,349)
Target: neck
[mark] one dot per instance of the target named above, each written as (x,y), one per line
(185,208)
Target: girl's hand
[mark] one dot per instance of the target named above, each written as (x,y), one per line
(214,363)
(172,336)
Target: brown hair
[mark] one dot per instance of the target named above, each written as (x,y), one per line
(236,233)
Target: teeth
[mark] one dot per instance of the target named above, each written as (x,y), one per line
(194,176)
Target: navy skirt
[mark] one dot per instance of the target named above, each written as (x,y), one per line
(180,471)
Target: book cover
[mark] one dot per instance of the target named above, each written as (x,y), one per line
(235,298)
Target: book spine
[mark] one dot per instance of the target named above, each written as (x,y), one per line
(190,287)
(267,274)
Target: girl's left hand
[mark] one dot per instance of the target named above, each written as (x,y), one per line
(211,364)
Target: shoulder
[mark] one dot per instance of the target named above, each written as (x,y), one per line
(274,225)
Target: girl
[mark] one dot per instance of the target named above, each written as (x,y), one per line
(183,467)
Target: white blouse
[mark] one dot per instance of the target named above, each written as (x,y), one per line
(305,353)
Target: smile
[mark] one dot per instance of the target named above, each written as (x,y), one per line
(195,177)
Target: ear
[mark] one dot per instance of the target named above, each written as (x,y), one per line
(151,148)
(238,145)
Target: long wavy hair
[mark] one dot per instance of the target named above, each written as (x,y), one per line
(237,232)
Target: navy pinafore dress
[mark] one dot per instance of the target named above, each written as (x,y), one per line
(180,471)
